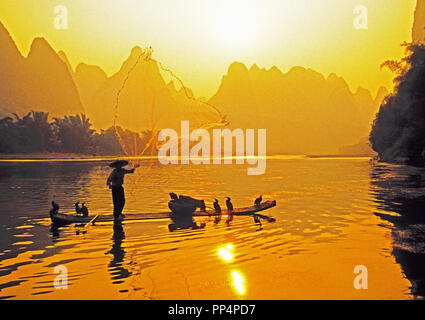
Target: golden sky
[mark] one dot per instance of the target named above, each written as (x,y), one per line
(199,39)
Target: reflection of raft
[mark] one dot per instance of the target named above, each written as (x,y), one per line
(60,219)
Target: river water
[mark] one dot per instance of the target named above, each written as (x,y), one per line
(333,214)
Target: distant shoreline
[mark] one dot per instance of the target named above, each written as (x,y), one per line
(85,157)
(54,156)
(341,156)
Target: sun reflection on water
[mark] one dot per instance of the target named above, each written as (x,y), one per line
(226,253)
(237,279)
(238,282)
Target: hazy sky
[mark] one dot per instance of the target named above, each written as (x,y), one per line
(200,39)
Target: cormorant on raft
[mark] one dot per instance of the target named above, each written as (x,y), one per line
(55,209)
(78,208)
(229,204)
(217,207)
(258,201)
(81,211)
(84,210)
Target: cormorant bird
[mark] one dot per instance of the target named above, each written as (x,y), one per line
(258,201)
(217,207)
(229,204)
(77,208)
(84,210)
(230,208)
(55,208)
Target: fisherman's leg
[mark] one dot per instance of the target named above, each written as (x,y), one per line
(121,200)
(116,201)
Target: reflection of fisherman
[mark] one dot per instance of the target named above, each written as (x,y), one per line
(118,271)
(115,182)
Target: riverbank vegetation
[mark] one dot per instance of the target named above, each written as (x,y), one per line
(36,133)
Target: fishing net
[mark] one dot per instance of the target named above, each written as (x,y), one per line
(138,118)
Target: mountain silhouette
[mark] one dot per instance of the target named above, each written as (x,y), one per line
(303,111)
(145,92)
(418,35)
(40,81)
(145,100)
(88,79)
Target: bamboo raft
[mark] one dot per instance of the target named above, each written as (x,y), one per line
(60,219)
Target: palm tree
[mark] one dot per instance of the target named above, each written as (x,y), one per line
(32,132)
(106,143)
(6,137)
(74,133)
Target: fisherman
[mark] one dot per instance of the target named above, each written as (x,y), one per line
(115,183)
(84,210)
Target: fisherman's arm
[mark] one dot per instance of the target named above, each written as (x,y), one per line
(132,170)
(109,181)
